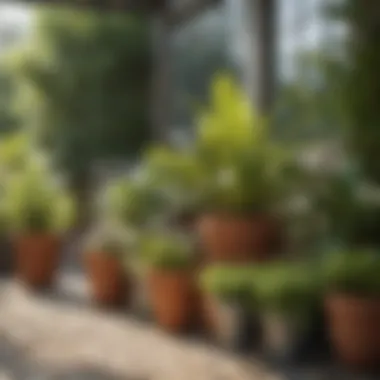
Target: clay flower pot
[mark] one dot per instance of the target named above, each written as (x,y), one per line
(232,239)
(354,324)
(108,280)
(37,259)
(172,298)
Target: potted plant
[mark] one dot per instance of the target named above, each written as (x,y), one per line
(40,212)
(229,305)
(245,174)
(288,295)
(106,248)
(133,202)
(353,307)
(170,275)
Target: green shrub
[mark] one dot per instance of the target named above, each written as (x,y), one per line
(244,170)
(131,202)
(353,273)
(179,175)
(36,202)
(166,251)
(230,283)
(288,288)
(109,239)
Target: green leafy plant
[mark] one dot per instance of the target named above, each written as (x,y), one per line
(288,288)
(109,239)
(131,202)
(354,273)
(230,283)
(352,208)
(178,175)
(37,203)
(166,251)
(244,170)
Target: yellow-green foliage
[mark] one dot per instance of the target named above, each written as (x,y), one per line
(14,151)
(130,202)
(233,166)
(244,167)
(230,125)
(166,251)
(179,175)
(35,202)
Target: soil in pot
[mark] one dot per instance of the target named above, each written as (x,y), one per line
(172,298)
(37,259)
(108,280)
(231,239)
(354,326)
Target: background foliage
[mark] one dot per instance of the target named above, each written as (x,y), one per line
(83,85)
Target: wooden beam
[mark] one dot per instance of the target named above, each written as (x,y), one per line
(262,73)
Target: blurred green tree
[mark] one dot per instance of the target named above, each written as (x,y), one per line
(83,86)
(308,107)
(360,90)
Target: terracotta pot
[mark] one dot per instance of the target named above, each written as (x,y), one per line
(173,298)
(231,239)
(37,259)
(354,329)
(108,280)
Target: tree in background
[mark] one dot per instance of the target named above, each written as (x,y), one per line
(10,35)
(308,107)
(83,83)
(360,90)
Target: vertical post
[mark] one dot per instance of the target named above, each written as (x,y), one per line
(262,71)
(161,92)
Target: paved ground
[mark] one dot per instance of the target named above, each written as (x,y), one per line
(61,337)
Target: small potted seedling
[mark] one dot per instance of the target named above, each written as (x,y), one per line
(170,276)
(352,305)
(229,303)
(287,296)
(40,212)
(106,251)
